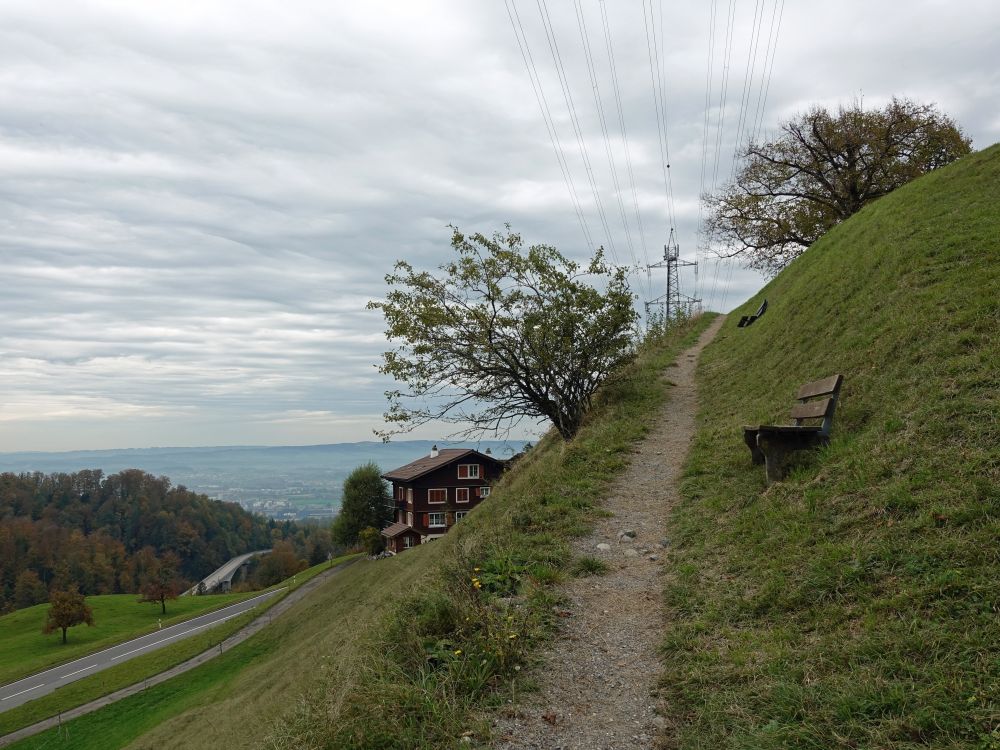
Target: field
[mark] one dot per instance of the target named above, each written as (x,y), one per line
(147,665)
(24,650)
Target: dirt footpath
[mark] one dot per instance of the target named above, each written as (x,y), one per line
(597,680)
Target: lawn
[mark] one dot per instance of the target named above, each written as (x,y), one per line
(24,650)
(147,665)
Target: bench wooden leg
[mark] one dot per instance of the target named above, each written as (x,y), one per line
(777,448)
(750,438)
(775,452)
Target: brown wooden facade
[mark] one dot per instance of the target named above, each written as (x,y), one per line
(433,493)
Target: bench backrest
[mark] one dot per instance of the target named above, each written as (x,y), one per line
(818,400)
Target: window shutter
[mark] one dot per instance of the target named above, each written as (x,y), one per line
(427,519)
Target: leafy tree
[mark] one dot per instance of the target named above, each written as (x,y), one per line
(68,609)
(320,546)
(279,564)
(29,590)
(503,334)
(370,539)
(366,502)
(821,169)
(161,582)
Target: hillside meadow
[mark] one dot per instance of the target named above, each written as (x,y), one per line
(855,604)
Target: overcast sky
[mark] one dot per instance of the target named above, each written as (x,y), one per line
(198,198)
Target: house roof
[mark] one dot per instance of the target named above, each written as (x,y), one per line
(421,466)
(395,529)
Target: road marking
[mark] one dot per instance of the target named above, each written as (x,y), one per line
(23,692)
(178,635)
(67,676)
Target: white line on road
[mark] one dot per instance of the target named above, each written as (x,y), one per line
(67,676)
(178,635)
(23,692)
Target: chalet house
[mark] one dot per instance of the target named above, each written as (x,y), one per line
(435,492)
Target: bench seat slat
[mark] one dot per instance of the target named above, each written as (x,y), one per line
(789,428)
(822,387)
(812,409)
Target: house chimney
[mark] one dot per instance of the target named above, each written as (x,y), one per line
(489,452)
(434,451)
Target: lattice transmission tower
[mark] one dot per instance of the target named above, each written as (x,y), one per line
(672,304)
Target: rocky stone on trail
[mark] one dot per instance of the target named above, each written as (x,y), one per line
(631,553)
(654,558)
(604,546)
(627,536)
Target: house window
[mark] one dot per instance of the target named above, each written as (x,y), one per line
(407,541)
(462,495)
(437,496)
(409,495)
(484,492)
(435,520)
(460,514)
(468,471)
(409,518)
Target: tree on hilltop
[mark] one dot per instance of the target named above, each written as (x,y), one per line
(503,333)
(67,609)
(366,502)
(820,170)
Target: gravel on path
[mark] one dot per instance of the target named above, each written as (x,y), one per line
(597,680)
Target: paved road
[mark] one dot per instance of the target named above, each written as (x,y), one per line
(29,688)
(224,573)
(236,638)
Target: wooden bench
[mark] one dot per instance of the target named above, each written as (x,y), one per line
(771,444)
(749,319)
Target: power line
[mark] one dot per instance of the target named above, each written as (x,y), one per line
(660,107)
(621,124)
(755,27)
(536,85)
(574,119)
(772,47)
(595,87)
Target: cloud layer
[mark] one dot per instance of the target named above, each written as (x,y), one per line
(198,199)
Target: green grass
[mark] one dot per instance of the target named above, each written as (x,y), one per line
(232,700)
(854,605)
(117,618)
(403,652)
(135,670)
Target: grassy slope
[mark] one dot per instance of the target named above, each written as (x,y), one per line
(856,604)
(117,617)
(135,670)
(369,660)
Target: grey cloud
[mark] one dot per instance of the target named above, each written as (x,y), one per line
(198,200)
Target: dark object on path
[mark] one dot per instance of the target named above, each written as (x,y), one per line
(771,444)
(749,319)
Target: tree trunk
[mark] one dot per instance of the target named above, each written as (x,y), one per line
(163,604)
(64,635)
